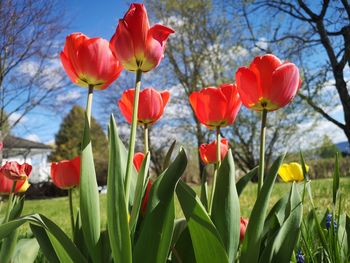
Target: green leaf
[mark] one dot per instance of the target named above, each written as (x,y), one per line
(117,212)
(226,210)
(253,236)
(280,247)
(63,246)
(183,249)
(242,183)
(347,229)
(204,190)
(139,192)
(79,236)
(45,243)
(26,251)
(89,197)
(336,176)
(106,251)
(205,238)
(167,158)
(8,246)
(179,226)
(158,223)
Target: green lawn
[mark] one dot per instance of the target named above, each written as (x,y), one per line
(57,209)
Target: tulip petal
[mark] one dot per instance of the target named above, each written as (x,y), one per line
(263,67)
(233,101)
(123,47)
(285,84)
(73,42)
(97,63)
(138,159)
(156,39)
(137,23)
(126,104)
(248,87)
(69,68)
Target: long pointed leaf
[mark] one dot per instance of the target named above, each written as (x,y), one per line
(281,247)
(139,191)
(206,240)
(226,210)
(336,176)
(117,212)
(89,197)
(253,236)
(55,234)
(160,215)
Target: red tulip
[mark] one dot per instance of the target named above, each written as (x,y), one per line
(244,223)
(90,61)
(15,171)
(208,151)
(216,107)
(138,159)
(66,174)
(151,105)
(6,185)
(268,83)
(137,45)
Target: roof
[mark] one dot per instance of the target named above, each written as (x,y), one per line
(12,142)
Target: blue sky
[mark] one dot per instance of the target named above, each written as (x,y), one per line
(98,18)
(93,18)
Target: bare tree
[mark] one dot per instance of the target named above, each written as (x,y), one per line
(30,75)
(318,35)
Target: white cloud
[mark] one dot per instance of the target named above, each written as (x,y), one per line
(72,95)
(15,116)
(33,137)
(47,76)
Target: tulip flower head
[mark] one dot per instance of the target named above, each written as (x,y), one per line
(66,174)
(15,171)
(268,83)
(90,61)
(244,224)
(151,105)
(6,185)
(291,172)
(216,107)
(208,151)
(137,45)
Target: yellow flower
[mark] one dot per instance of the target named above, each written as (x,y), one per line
(292,172)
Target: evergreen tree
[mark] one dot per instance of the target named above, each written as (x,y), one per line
(328,149)
(68,141)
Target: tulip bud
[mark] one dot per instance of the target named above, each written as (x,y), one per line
(66,174)
(208,151)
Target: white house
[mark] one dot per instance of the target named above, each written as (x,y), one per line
(34,153)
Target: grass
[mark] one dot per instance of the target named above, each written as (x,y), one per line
(57,208)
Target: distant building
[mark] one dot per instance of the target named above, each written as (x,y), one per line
(34,153)
(344,148)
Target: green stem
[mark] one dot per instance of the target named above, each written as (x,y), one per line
(262,151)
(89,103)
(146,138)
(217,166)
(9,205)
(71,211)
(132,136)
